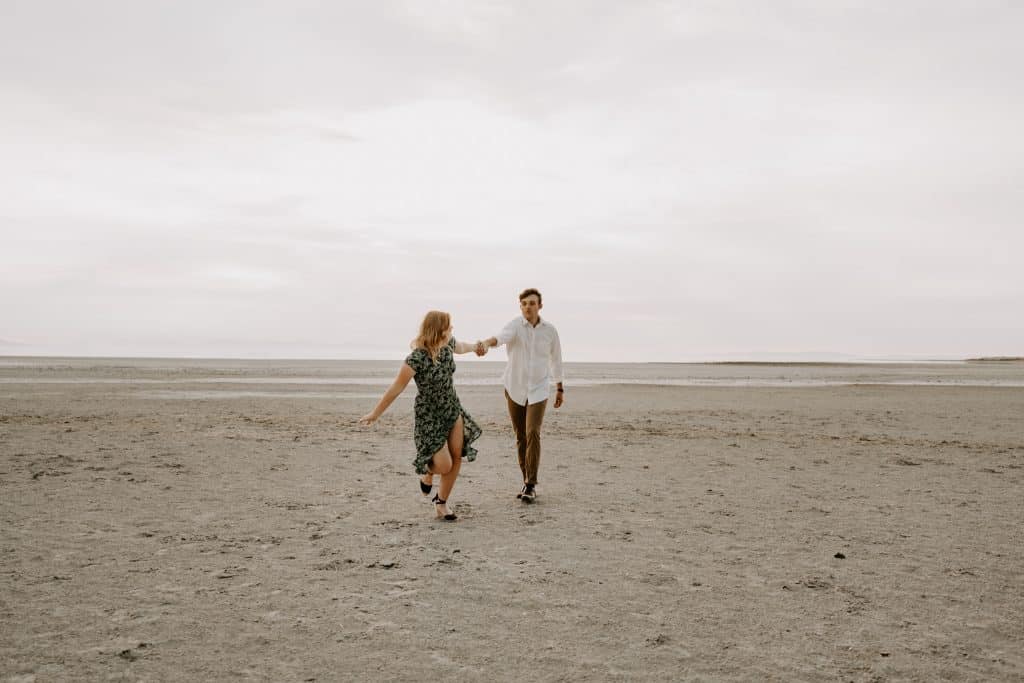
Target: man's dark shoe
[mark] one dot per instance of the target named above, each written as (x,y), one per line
(520,494)
(529,494)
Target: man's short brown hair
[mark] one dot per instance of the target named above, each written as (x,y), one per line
(527,292)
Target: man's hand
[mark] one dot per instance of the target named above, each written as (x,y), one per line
(559,398)
(481,349)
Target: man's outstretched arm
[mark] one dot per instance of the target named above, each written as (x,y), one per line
(507,334)
(484,344)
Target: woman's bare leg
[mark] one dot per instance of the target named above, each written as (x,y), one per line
(440,463)
(455,441)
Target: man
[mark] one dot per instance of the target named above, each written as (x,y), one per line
(534,361)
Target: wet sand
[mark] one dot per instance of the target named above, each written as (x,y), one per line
(862,533)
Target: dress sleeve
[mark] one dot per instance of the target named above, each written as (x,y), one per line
(415,360)
(451,344)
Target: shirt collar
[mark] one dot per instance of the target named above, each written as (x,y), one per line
(526,323)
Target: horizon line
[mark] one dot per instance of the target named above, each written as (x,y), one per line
(841,359)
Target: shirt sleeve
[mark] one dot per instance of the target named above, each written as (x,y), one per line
(556,358)
(508,333)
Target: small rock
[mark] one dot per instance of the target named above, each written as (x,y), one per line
(839,556)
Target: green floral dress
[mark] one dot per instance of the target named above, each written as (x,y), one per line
(437,406)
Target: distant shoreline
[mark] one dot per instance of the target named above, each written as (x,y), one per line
(276,378)
(740,363)
(749,362)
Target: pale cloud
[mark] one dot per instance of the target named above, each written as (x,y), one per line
(679,179)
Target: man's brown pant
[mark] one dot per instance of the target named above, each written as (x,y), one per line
(526,421)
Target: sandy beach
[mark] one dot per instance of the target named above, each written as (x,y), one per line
(848,533)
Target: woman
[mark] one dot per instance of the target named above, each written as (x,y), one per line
(444,431)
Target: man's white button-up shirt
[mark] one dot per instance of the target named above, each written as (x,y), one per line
(534,360)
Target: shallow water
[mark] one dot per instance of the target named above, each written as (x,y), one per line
(219,377)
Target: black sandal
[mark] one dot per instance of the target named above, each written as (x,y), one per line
(426,488)
(451,516)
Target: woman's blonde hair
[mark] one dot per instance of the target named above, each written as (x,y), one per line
(432,330)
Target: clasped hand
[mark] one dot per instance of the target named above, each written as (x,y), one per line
(481,349)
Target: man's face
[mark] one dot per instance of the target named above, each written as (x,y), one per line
(530,306)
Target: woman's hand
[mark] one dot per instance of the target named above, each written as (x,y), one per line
(397,387)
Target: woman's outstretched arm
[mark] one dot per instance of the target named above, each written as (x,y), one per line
(465,347)
(396,388)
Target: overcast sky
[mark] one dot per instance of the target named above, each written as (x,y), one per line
(681,180)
